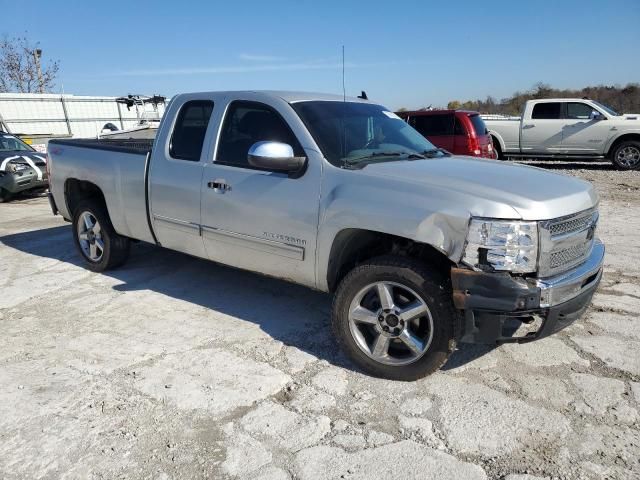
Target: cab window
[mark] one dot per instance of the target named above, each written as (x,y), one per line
(433,125)
(579,111)
(189,131)
(247,123)
(546,111)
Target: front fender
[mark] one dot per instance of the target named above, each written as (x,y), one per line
(442,225)
(614,138)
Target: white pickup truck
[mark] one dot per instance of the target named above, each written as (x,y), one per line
(422,249)
(568,128)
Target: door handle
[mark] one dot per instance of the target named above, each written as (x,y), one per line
(219,185)
(529,125)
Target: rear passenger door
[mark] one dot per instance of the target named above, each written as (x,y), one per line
(543,132)
(437,128)
(175,176)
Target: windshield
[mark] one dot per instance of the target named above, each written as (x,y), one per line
(349,133)
(609,110)
(9,143)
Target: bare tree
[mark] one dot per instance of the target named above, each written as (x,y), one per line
(21,69)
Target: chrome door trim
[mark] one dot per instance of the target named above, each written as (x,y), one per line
(262,244)
(180,223)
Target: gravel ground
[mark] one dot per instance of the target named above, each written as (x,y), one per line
(173,367)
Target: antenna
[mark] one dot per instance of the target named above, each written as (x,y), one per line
(344,112)
(344,90)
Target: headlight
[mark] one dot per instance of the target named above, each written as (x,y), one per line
(17,167)
(502,245)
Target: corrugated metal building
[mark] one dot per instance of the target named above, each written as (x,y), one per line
(44,116)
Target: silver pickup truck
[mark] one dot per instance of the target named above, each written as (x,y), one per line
(420,248)
(568,128)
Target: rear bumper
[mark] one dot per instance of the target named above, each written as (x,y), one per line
(499,308)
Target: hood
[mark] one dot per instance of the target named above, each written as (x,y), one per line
(534,193)
(34,160)
(630,116)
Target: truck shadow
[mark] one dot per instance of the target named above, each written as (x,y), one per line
(292,314)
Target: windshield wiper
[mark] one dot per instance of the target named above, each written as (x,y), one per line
(434,153)
(375,155)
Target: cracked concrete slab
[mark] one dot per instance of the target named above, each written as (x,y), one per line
(173,367)
(547,352)
(405,459)
(616,353)
(478,420)
(195,380)
(284,428)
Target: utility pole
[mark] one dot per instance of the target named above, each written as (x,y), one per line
(37,54)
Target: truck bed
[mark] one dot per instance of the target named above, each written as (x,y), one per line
(507,131)
(118,167)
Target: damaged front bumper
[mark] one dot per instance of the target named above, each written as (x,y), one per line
(500,308)
(16,182)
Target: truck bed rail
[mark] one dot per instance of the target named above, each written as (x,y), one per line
(140,146)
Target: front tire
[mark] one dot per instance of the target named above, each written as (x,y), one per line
(97,242)
(394,317)
(626,156)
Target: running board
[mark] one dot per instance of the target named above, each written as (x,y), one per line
(555,156)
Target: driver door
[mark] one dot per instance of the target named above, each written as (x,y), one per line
(254,218)
(582,134)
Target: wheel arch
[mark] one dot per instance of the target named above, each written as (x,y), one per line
(75,191)
(353,246)
(496,137)
(631,136)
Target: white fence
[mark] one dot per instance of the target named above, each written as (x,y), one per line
(51,115)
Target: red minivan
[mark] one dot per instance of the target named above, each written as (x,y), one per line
(461,132)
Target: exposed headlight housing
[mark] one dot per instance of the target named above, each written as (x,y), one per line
(17,167)
(503,245)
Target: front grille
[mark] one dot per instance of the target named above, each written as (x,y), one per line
(566,242)
(568,255)
(570,226)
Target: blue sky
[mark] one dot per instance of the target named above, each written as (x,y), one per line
(403,53)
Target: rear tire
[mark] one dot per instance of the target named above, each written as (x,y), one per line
(408,341)
(626,156)
(97,242)
(497,149)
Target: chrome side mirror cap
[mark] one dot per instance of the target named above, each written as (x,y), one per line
(275,156)
(595,115)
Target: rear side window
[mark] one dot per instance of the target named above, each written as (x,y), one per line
(247,123)
(433,125)
(478,125)
(458,128)
(546,111)
(579,111)
(189,131)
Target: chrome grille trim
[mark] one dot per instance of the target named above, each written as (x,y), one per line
(570,226)
(566,242)
(567,256)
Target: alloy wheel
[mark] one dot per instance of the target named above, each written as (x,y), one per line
(390,323)
(628,156)
(90,237)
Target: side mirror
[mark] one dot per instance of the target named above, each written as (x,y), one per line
(275,156)
(595,115)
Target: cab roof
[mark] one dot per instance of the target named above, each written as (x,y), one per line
(289,96)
